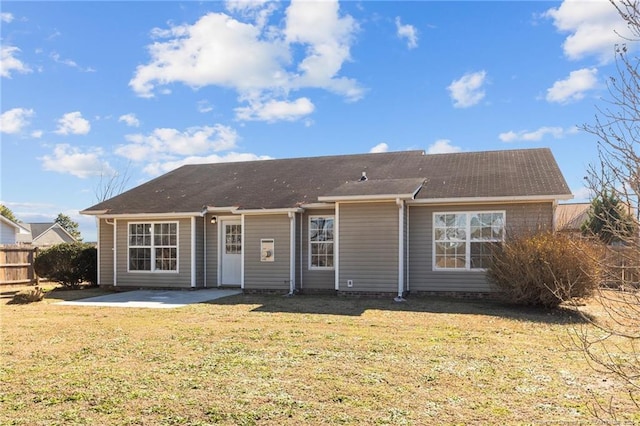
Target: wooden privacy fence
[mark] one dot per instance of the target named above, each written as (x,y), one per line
(16,265)
(622,266)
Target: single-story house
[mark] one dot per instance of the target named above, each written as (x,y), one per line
(386,223)
(570,217)
(10,231)
(45,234)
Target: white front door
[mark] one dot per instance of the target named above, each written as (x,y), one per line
(231,249)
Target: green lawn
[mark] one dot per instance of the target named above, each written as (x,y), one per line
(298,360)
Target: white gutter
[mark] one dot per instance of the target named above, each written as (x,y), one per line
(270,211)
(151,216)
(317,206)
(380,197)
(490,200)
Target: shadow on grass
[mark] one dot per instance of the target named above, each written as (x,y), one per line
(63,294)
(353,306)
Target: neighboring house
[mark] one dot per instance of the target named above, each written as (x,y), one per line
(570,217)
(384,223)
(45,234)
(10,231)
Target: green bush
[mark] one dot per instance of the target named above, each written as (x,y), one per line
(69,264)
(545,269)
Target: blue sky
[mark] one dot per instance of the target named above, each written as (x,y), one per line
(89,89)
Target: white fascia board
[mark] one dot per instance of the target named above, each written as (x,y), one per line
(381,197)
(491,200)
(151,216)
(317,206)
(270,211)
(218,210)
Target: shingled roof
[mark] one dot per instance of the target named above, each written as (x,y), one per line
(290,183)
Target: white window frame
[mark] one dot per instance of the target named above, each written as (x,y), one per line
(153,247)
(468,240)
(309,243)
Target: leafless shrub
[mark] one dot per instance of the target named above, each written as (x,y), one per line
(545,269)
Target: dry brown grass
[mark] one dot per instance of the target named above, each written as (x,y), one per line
(299,360)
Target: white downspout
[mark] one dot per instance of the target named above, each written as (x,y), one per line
(115,252)
(219,237)
(400,204)
(336,246)
(193,251)
(302,264)
(204,248)
(98,280)
(243,251)
(292,252)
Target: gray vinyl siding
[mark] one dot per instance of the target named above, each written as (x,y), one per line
(8,234)
(105,263)
(266,275)
(368,234)
(199,252)
(181,279)
(522,217)
(314,279)
(211,252)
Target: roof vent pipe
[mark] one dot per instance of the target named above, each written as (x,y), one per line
(363,177)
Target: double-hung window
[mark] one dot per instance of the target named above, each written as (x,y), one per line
(153,247)
(321,240)
(465,240)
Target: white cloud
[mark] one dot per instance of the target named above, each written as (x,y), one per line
(442,146)
(68,159)
(167,144)
(594,26)
(73,123)
(582,194)
(6,17)
(204,106)
(70,63)
(130,120)
(9,63)
(257,10)
(467,90)
(273,110)
(407,31)
(573,88)
(536,135)
(14,120)
(255,60)
(37,134)
(157,168)
(381,147)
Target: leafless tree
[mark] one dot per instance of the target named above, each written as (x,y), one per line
(611,342)
(112,184)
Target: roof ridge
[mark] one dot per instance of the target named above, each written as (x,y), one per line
(321,157)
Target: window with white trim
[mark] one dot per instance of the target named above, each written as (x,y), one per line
(465,240)
(153,247)
(321,242)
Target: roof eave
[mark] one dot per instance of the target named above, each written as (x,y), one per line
(380,197)
(501,199)
(148,215)
(93,212)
